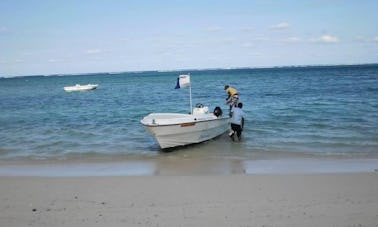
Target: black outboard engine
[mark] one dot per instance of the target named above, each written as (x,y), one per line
(217,111)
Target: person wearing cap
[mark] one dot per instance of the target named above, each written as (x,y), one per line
(232,98)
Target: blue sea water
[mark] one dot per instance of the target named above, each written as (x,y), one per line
(291,111)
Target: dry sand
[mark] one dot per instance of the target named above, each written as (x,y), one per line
(348,199)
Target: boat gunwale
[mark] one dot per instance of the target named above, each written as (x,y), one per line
(173,124)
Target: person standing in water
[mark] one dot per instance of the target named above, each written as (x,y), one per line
(237,121)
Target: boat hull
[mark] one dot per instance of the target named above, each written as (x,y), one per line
(185,131)
(79,87)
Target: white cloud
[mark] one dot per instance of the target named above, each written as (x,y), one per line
(325,39)
(247,44)
(255,54)
(93,51)
(27,54)
(280,26)
(293,40)
(247,29)
(329,39)
(360,39)
(363,39)
(260,38)
(3,29)
(228,41)
(52,60)
(214,29)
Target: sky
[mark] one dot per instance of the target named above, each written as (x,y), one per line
(40,37)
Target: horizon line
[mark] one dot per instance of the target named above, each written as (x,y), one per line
(193,69)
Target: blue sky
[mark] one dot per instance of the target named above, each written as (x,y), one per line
(60,37)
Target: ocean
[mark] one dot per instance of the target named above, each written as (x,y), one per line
(307,112)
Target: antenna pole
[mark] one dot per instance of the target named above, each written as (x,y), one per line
(190,94)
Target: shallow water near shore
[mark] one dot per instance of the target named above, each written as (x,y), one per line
(175,166)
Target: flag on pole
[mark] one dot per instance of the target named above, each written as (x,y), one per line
(183,81)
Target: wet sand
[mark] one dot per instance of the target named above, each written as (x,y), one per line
(180,166)
(315,199)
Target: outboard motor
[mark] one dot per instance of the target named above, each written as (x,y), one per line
(217,111)
(200,109)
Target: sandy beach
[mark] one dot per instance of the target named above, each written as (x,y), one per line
(330,199)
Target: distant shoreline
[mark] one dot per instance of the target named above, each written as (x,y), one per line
(193,70)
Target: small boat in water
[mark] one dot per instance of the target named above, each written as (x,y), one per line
(175,129)
(79,87)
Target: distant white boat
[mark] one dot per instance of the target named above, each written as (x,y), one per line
(79,87)
(175,129)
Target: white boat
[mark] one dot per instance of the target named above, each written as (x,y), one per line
(79,87)
(175,129)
